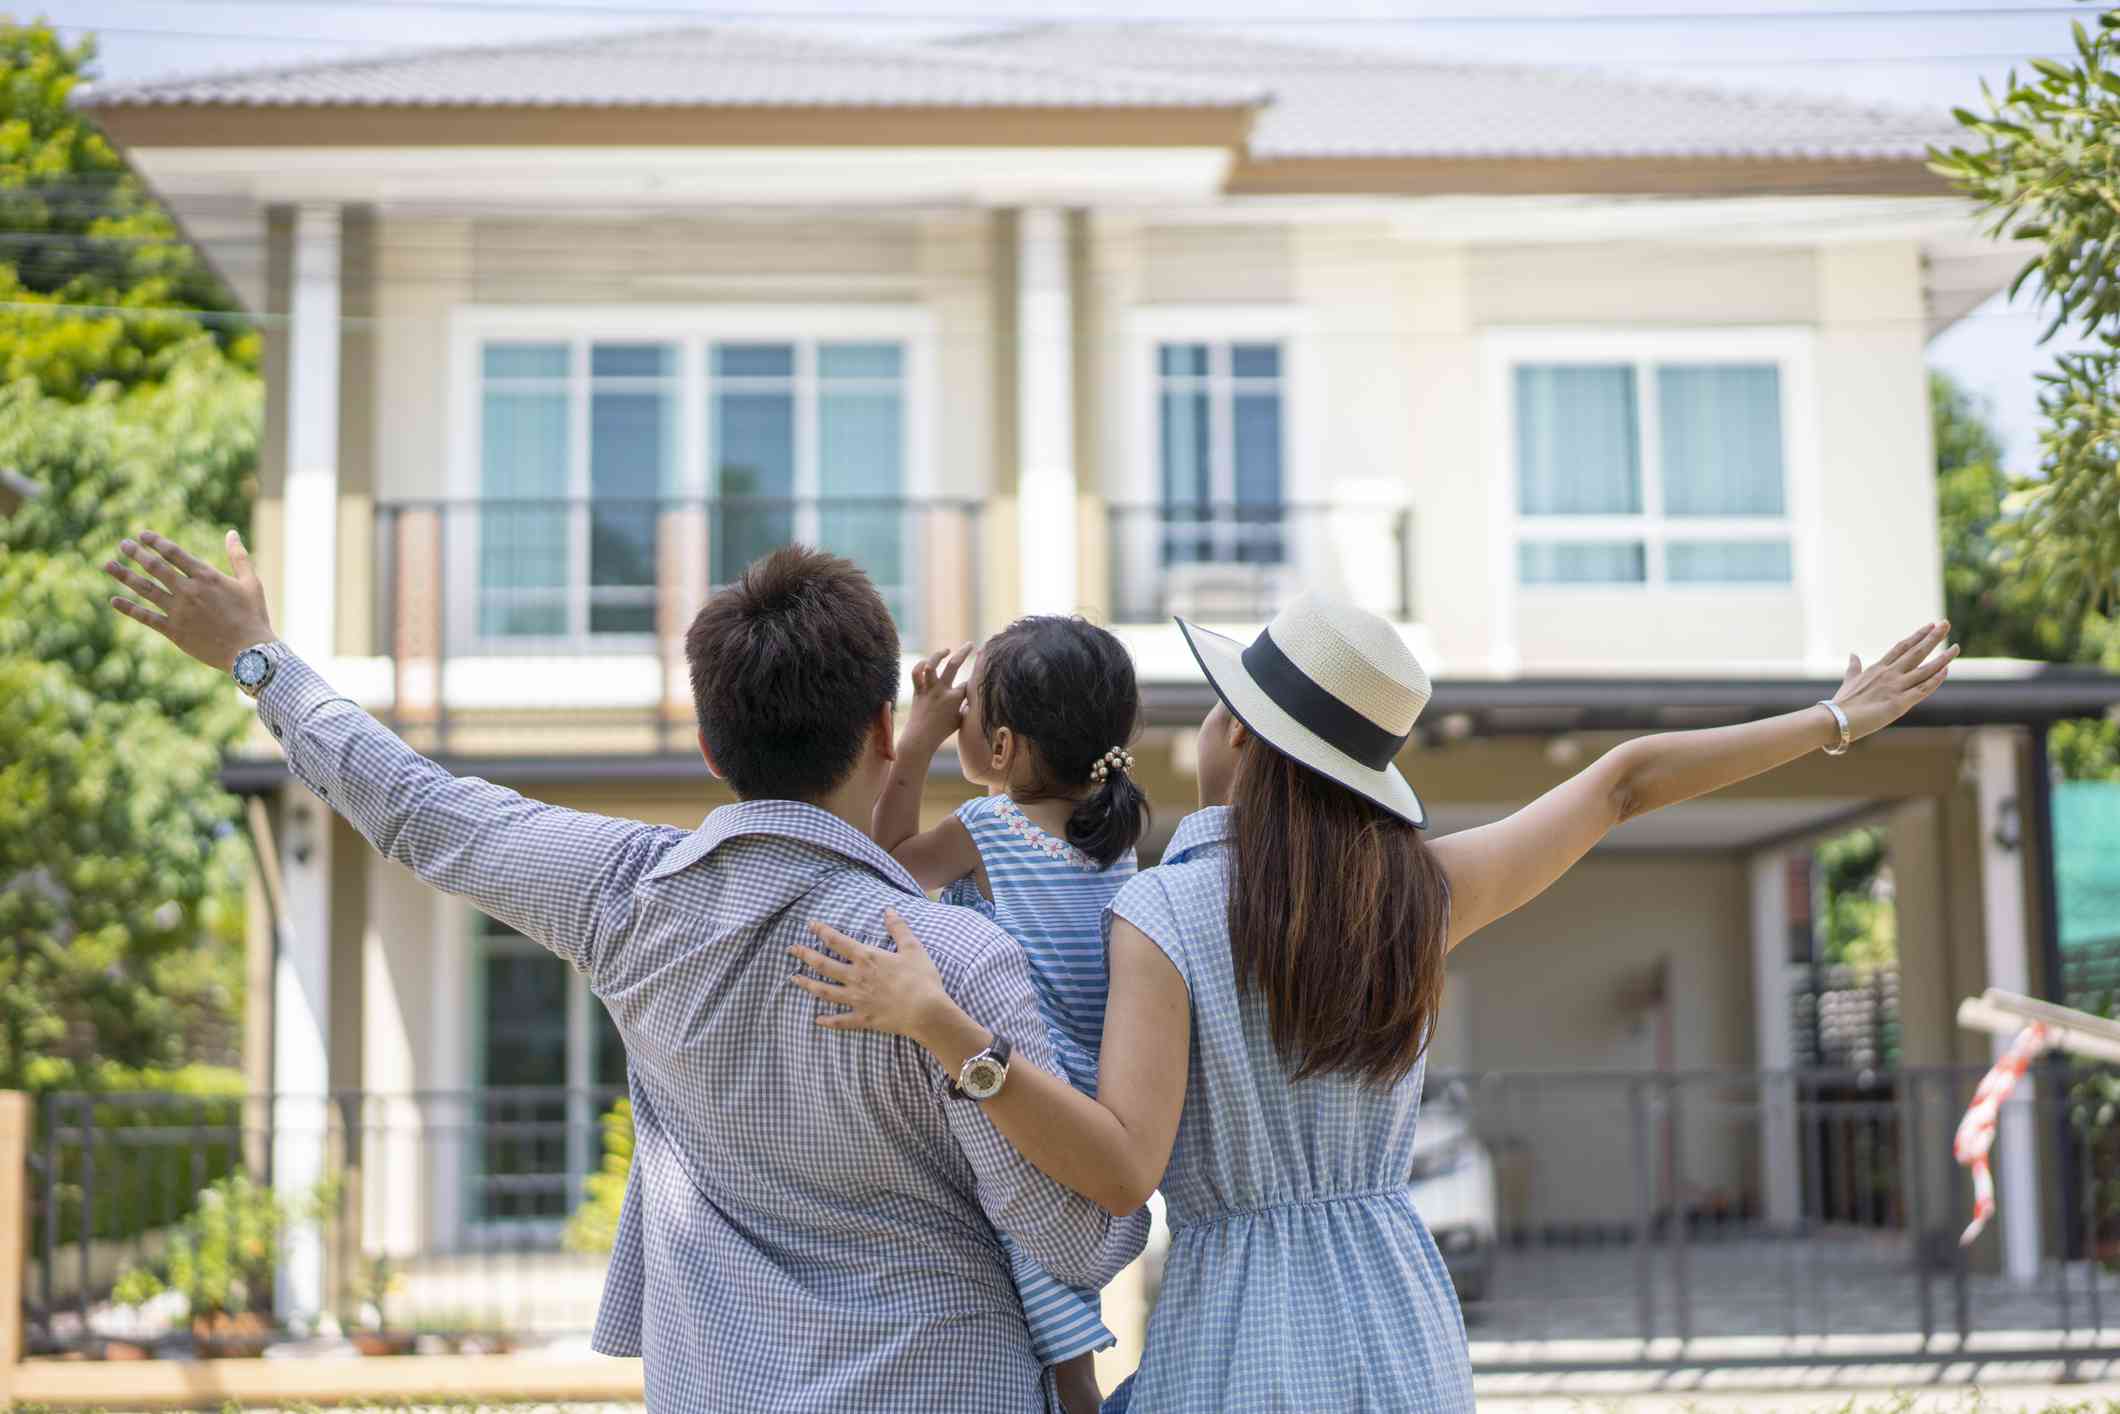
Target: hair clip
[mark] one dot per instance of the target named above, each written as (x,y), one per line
(1116,759)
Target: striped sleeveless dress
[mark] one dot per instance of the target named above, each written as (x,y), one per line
(1050,897)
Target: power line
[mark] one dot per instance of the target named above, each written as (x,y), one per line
(389,49)
(1557,17)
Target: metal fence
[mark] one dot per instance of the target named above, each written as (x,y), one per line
(438,1214)
(1747,1217)
(1594,1220)
(1240,561)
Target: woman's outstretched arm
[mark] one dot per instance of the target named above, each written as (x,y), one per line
(1496,869)
(1113,1149)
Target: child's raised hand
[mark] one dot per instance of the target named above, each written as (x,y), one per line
(938,700)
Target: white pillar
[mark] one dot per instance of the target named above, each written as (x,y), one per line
(301,1044)
(306,610)
(1782,1195)
(1045,415)
(2003,923)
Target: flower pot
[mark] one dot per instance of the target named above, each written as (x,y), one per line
(383,1342)
(126,1350)
(241,1335)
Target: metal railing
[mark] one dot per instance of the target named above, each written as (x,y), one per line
(446,1210)
(599,580)
(1241,561)
(1592,1220)
(1756,1217)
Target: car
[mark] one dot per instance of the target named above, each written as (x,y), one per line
(1455,1191)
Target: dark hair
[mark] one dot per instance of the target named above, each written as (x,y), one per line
(1067,688)
(1339,916)
(790,665)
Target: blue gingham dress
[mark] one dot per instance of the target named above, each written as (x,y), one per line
(1299,1276)
(1050,897)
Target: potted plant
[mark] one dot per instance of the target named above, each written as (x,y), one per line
(370,1329)
(221,1259)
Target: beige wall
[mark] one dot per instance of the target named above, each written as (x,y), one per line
(1641,283)
(1550,988)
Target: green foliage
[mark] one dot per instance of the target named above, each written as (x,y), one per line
(1860,926)
(223,1256)
(136,1187)
(118,866)
(2046,169)
(594,1226)
(1999,602)
(77,228)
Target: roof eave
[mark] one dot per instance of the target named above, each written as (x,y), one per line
(1585,176)
(193,125)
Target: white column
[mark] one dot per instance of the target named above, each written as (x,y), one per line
(301,1043)
(2003,923)
(1780,1181)
(306,610)
(1045,415)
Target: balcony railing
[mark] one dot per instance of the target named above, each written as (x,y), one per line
(462,587)
(1239,562)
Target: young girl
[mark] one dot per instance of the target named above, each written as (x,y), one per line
(1043,723)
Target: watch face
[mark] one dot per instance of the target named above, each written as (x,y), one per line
(250,667)
(982,1078)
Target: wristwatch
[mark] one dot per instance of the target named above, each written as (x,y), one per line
(983,1073)
(254,667)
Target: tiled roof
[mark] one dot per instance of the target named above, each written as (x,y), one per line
(719,66)
(1341,103)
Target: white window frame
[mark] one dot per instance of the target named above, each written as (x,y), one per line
(1790,349)
(694,329)
(1140,482)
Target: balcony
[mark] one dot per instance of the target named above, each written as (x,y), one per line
(1235,562)
(492,613)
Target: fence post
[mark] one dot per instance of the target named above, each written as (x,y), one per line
(14,1228)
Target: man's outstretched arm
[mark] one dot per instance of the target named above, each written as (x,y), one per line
(560,876)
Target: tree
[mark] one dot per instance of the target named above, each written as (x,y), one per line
(97,284)
(2047,170)
(116,851)
(130,396)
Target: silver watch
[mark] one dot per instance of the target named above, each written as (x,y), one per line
(984,1073)
(254,667)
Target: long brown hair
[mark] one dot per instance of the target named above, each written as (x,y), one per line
(1339,917)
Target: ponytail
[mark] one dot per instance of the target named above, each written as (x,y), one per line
(1109,820)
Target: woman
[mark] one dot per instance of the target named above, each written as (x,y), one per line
(1277,978)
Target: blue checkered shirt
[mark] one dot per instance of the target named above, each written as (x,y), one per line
(811,1221)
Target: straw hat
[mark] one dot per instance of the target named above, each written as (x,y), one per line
(1329,686)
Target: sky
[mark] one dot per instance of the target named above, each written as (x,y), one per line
(1913,53)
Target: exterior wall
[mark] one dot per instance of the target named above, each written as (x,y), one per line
(1554,988)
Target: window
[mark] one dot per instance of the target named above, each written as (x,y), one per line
(548,1063)
(1650,472)
(587,445)
(809,445)
(1221,450)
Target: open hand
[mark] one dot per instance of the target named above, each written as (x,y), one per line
(938,702)
(1879,695)
(898,993)
(210,615)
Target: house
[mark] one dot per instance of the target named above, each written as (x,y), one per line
(1610,393)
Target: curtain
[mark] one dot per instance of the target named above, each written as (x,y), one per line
(1578,440)
(861,457)
(1721,439)
(524,434)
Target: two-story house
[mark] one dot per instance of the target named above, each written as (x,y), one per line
(1610,393)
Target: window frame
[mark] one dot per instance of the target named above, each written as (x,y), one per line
(1789,348)
(693,329)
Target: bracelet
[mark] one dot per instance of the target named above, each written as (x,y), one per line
(1847,735)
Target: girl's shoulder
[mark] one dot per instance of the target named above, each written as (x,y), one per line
(997,824)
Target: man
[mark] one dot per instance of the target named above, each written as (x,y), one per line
(810,1220)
